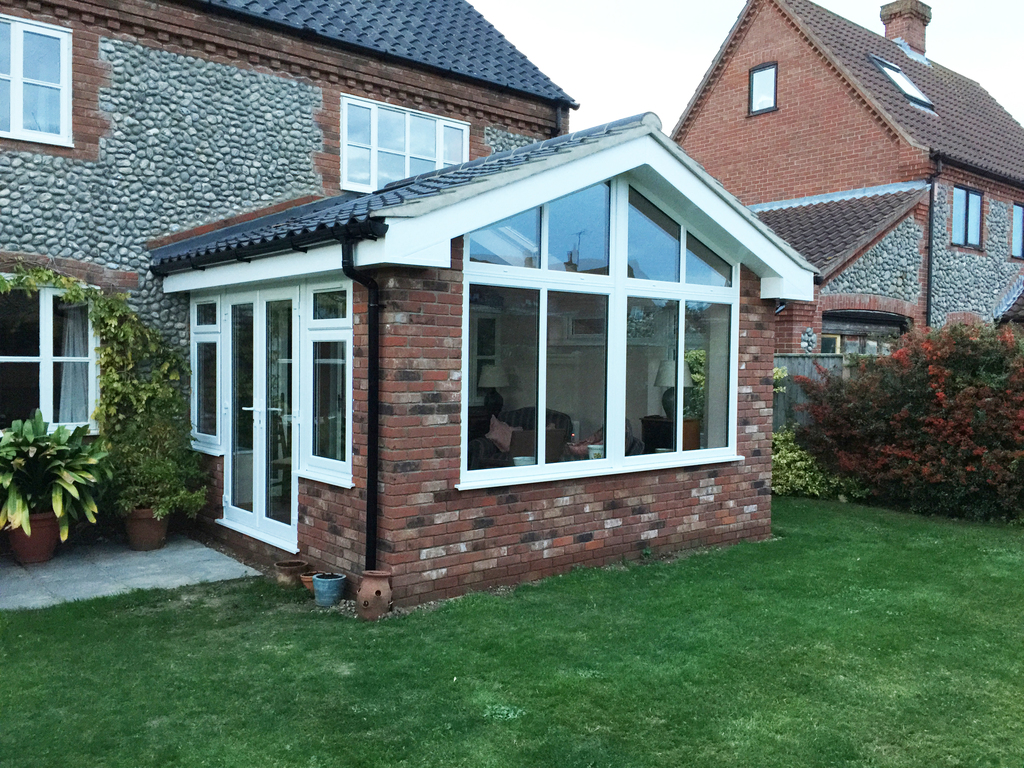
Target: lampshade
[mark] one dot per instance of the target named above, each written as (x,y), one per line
(493,376)
(667,374)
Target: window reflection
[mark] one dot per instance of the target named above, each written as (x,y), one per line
(704,266)
(578,232)
(705,403)
(653,241)
(514,241)
(652,377)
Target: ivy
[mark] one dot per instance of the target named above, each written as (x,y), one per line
(138,367)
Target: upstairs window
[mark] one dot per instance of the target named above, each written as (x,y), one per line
(966,217)
(904,83)
(383,144)
(763,81)
(35,82)
(1017,242)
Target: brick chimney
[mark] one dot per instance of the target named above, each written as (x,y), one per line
(905,20)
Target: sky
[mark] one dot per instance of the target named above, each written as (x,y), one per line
(652,58)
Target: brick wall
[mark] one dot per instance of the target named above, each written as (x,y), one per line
(822,138)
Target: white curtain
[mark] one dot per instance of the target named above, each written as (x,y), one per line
(74,378)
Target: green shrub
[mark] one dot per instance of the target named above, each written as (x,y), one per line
(796,473)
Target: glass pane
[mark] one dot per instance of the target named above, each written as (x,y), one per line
(453,141)
(329,407)
(19,330)
(357,167)
(5,48)
(357,125)
(279,411)
(653,241)
(19,391)
(959,215)
(5,105)
(417,166)
(514,241)
(423,136)
(1018,231)
(389,168)
(70,393)
(577,371)
(70,329)
(504,326)
(704,266)
(42,109)
(652,343)
(329,305)
(206,314)
(578,231)
(241,405)
(206,388)
(974,219)
(705,403)
(762,89)
(42,58)
(391,130)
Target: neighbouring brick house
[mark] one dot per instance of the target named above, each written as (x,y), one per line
(271,179)
(900,180)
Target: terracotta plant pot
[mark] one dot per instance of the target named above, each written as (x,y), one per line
(307,579)
(289,572)
(373,599)
(145,532)
(39,547)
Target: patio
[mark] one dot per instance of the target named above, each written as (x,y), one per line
(108,568)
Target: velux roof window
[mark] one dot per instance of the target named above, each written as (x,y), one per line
(904,83)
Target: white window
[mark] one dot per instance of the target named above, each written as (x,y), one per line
(763,83)
(620,328)
(904,83)
(1017,244)
(966,217)
(382,143)
(35,82)
(47,359)
(206,375)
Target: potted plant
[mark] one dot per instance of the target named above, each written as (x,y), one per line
(47,480)
(156,472)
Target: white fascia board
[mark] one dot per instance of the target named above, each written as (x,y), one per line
(282,266)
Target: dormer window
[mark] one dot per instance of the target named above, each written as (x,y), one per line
(904,83)
(763,80)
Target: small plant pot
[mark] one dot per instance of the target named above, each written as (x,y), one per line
(374,597)
(289,572)
(307,579)
(145,532)
(328,588)
(40,546)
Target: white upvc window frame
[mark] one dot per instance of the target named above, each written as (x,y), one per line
(19,27)
(206,334)
(1017,231)
(46,359)
(375,106)
(619,289)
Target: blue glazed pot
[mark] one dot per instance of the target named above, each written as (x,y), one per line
(328,588)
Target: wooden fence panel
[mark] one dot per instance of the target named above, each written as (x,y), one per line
(799,365)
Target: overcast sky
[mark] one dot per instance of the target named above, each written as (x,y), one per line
(621,57)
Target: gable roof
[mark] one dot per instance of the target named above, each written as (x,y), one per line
(966,125)
(449,35)
(830,230)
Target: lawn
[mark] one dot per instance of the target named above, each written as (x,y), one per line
(858,637)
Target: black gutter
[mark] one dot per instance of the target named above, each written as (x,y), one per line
(940,158)
(348,239)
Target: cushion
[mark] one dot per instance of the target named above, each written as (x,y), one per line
(500,434)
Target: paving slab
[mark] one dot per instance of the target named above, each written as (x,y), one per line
(107,568)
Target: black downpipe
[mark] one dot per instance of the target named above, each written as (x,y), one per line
(372,395)
(931,243)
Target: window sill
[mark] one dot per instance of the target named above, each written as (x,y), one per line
(572,471)
(338,480)
(762,111)
(54,141)
(286,546)
(209,450)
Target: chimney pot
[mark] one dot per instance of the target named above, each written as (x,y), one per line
(906,20)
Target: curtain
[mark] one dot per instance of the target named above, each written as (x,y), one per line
(73,406)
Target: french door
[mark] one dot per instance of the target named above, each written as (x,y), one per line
(260,489)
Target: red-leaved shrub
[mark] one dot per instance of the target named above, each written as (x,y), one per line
(937,426)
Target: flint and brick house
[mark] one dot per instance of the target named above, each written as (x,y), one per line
(900,180)
(387,258)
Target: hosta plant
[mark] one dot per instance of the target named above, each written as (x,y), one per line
(42,472)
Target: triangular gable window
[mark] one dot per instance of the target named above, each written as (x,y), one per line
(904,83)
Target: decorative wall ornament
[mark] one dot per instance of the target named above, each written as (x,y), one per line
(808,340)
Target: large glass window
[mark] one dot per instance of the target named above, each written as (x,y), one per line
(35,81)
(330,408)
(384,143)
(205,334)
(47,359)
(966,217)
(1017,239)
(629,363)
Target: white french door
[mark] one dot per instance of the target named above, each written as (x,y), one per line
(260,488)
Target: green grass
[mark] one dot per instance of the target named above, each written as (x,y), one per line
(859,637)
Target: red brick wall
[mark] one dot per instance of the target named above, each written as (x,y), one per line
(185,30)
(823,137)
